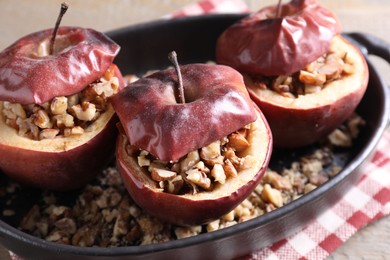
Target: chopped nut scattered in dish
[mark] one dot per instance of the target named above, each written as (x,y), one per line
(62,116)
(104,215)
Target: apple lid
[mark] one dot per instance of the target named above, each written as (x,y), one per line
(217,104)
(29,74)
(266,44)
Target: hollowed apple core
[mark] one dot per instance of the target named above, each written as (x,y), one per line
(307,118)
(202,207)
(61,163)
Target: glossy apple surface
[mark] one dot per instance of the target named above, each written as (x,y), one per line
(270,45)
(304,120)
(63,163)
(217,103)
(202,207)
(30,75)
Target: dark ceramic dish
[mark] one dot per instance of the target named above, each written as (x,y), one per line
(145,47)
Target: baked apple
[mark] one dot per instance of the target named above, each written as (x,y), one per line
(305,77)
(57,128)
(190,163)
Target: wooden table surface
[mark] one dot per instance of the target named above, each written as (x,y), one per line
(20,17)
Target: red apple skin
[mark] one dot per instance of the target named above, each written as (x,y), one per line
(263,44)
(217,103)
(187,210)
(81,56)
(294,126)
(62,169)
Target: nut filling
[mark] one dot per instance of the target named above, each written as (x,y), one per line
(312,79)
(201,169)
(103,214)
(62,116)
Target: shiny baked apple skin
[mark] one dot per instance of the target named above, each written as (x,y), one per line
(205,206)
(304,120)
(264,43)
(29,74)
(217,103)
(59,164)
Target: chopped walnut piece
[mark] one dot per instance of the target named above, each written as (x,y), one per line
(63,120)
(184,232)
(318,179)
(339,138)
(354,123)
(162,175)
(280,83)
(229,216)
(272,195)
(277,181)
(213,226)
(13,111)
(67,225)
(311,78)
(86,111)
(309,187)
(199,178)
(218,173)
(59,105)
(77,130)
(48,133)
(174,185)
(333,66)
(106,87)
(229,169)
(349,69)
(230,155)
(42,119)
(238,142)
(85,236)
(190,160)
(211,153)
(59,236)
(142,160)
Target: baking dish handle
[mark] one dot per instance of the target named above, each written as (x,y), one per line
(370,44)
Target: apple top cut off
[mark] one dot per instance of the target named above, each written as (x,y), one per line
(278,40)
(30,74)
(217,104)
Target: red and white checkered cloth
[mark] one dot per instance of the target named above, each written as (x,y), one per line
(368,200)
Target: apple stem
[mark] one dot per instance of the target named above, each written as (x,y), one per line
(279,9)
(64,8)
(172,56)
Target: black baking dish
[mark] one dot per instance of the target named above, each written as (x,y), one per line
(145,47)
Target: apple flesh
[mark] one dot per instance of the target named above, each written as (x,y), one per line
(63,163)
(296,122)
(270,45)
(29,74)
(217,103)
(202,207)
